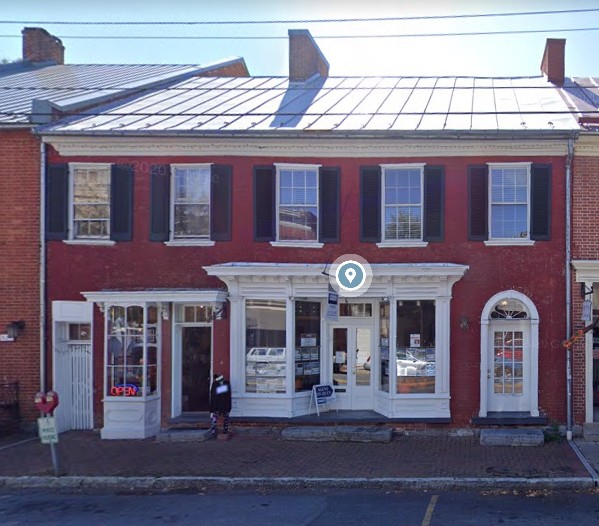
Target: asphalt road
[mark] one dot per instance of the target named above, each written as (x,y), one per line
(302,508)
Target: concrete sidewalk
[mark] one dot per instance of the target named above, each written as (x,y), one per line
(248,459)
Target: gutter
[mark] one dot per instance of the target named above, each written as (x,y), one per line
(42,277)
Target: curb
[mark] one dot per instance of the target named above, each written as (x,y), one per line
(144,485)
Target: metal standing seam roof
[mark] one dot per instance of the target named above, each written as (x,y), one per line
(582,97)
(75,84)
(262,105)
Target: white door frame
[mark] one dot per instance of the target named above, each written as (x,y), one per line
(533,362)
(353,398)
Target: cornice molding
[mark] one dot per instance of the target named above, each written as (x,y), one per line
(300,147)
(587,145)
(586,270)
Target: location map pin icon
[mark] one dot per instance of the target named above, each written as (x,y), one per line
(350,274)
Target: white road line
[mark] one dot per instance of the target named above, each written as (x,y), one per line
(429,511)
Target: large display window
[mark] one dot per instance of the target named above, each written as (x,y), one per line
(415,350)
(265,340)
(307,345)
(133,340)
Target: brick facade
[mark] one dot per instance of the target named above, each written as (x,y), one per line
(536,271)
(19,261)
(585,246)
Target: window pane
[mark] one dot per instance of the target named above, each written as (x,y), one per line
(91,202)
(509,203)
(307,345)
(298,223)
(265,347)
(385,372)
(415,347)
(192,220)
(192,203)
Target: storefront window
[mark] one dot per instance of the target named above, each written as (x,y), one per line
(307,345)
(132,350)
(265,366)
(384,345)
(415,346)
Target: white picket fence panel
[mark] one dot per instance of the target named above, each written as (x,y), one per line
(73,381)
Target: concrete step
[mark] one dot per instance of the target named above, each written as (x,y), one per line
(338,433)
(590,431)
(512,437)
(184,435)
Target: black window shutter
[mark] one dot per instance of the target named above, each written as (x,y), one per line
(540,191)
(434,203)
(121,202)
(57,201)
(160,176)
(329,205)
(370,204)
(264,203)
(220,202)
(478,196)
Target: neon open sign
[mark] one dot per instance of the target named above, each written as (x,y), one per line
(124,390)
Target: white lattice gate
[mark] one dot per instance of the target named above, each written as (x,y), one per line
(72,361)
(73,380)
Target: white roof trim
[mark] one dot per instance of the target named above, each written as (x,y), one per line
(586,270)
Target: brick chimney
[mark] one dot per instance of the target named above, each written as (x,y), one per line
(305,58)
(553,63)
(41,46)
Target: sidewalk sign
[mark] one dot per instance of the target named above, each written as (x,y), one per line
(322,394)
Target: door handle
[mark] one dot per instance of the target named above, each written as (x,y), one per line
(488,374)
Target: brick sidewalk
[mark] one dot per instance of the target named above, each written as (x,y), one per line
(85,454)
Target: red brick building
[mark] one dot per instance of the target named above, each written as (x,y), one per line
(36,90)
(582,96)
(204,223)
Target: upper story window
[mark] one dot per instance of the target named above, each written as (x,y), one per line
(509,198)
(297,214)
(296,205)
(190,210)
(402,198)
(402,204)
(191,204)
(89,202)
(90,212)
(509,203)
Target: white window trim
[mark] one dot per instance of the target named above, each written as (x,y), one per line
(504,241)
(402,243)
(188,241)
(71,205)
(293,242)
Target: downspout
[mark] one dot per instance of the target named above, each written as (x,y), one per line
(43,356)
(569,415)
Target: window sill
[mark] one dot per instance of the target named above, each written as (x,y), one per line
(98,242)
(402,244)
(190,243)
(510,242)
(297,244)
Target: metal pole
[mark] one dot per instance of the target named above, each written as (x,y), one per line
(54,459)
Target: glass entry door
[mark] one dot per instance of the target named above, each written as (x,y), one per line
(196,362)
(352,365)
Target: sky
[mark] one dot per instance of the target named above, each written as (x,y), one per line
(480,55)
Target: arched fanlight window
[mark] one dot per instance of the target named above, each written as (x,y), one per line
(509,309)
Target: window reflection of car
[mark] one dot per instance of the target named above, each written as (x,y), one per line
(266,360)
